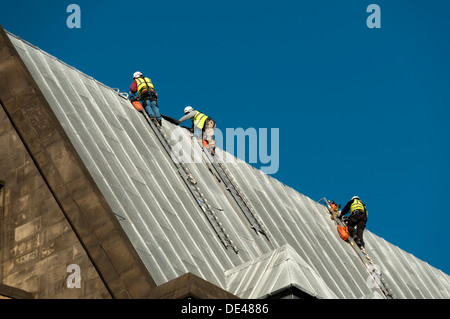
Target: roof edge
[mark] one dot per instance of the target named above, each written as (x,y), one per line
(190,286)
(14,293)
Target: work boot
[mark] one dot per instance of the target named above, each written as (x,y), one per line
(213,151)
(160,122)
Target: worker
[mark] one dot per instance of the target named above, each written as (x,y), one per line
(143,87)
(202,126)
(357,218)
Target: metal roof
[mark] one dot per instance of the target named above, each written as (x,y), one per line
(273,272)
(173,235)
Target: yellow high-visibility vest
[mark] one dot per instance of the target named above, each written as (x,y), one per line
(357,205)
(199,119)
(143,84)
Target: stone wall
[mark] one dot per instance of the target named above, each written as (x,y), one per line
(37,243)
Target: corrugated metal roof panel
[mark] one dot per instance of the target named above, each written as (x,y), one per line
(171,233)
(273,271)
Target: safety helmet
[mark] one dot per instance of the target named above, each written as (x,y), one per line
(355,197)
(188,109)
(137,74)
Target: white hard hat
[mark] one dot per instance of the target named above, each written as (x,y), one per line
(354,197)
(137,74)
(188,109)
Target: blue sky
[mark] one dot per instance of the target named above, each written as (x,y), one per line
(360,111)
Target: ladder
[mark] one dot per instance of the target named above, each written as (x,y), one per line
(374,272)
(222,174)
(190,182)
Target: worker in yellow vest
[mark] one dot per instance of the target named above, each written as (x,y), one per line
(357,218)
(202,126)
(143,87)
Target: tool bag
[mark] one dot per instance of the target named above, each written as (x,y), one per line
(343,232)
(137,105)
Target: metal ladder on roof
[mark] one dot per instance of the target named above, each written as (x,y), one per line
(377,280)
(220,171)
(191,183)
(188,179)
